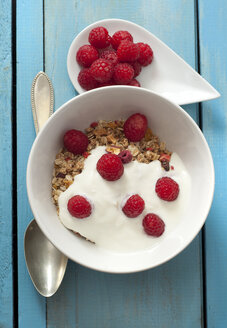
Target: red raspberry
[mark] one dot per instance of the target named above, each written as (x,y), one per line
(125,156)
(153,225)
(86,55)
(107,84)
(128,51)
(123,73)
(135,127)
(85,79)
(75,141)
(167,189)
(99,37)
(137,68)
(101,70)
(110,55)
(134,206)
(110,167)
(120,36)
(79,207)
(146,54)
(93,124)
(86,154)
(134,83)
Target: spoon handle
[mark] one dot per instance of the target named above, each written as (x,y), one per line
(42,100)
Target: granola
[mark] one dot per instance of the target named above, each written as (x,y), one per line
(109,134)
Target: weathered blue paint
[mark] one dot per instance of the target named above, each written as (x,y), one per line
(170,295)
(6,268)
(213,49)
(32,307)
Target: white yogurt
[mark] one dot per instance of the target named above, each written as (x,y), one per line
(107,226)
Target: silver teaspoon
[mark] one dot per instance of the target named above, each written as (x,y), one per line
(46,264)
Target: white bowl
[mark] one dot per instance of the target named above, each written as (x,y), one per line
(168,74)
(171,123)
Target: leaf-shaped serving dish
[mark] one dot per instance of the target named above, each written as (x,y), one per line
(169,75)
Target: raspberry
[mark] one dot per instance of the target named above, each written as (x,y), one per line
(137,68)
(86,154)
(134,83)
(106,84)
(134,206)
(99,37)
(123,73)
(167,189)
(125,156)
(110,55)
(85,79)
(110,167)
(146,54)
(153,225)
(93,124)
(128,51)
(120,36)
(86,55)
(101,70)
(135,127)
(75,141)
(79,207)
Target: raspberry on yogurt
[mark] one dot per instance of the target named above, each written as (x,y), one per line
(110,167)
(153,225)
(167,189)
(134,206)
(79,207)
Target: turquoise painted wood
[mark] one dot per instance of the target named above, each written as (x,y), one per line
(159,297)
(213,48)
(6,268)
(170,295)
(32,307)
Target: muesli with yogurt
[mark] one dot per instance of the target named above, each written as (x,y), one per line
(117,184)
(109,134)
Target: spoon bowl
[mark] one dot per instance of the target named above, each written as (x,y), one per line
(169,75)
(46,265)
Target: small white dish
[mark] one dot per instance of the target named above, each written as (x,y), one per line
(167,120)
(169,75)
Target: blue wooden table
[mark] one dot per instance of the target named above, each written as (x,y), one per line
(190,290)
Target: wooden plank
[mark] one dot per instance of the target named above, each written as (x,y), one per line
(6,267)
(60,29)
(213,50)
(32,307)
(166,296)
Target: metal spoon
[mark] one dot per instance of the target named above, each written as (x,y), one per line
(46,264)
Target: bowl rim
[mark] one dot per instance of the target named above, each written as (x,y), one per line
(179,249)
